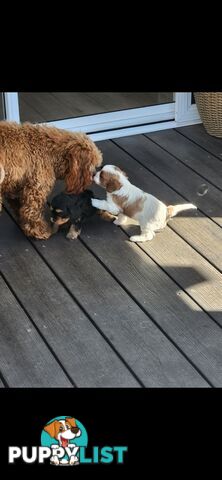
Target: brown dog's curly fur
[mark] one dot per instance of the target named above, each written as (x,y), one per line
(32,158)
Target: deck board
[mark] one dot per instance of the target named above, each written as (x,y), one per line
(24,358)
(191,155)
(178,316)
(203,234)
(198,135)
(182,179)
(104,312)
(2,384)
(189,269)
(129,329)
(86,356)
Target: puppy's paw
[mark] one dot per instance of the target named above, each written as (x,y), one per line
(142,238)
(73,234)
(117,222)
(95,202)
(134,238)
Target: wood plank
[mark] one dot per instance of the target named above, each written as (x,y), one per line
(203,234)
(183,321)
(129,329)
(2,384)
(110,152)
(190,154)
(25,360)
(180,318)
(80,348)
(178,176)
(190,270)
(198,135)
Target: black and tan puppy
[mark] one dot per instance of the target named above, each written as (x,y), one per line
(68,208)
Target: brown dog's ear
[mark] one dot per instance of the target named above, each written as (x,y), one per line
(51,429)
(82,160)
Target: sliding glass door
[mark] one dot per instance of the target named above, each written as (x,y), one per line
(52,106)
(103,115)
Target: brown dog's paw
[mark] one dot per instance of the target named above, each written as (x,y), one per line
(55,228)
(41,231)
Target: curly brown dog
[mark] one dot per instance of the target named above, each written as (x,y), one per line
(32,158)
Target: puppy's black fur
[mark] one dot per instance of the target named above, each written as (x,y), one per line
(72,208)
(75,207)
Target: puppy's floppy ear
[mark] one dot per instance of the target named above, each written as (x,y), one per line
(82,160)
(110,182)
(51,429)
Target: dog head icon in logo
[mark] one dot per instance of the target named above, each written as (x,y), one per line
(64,435)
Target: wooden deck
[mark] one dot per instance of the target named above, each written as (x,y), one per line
(103,312)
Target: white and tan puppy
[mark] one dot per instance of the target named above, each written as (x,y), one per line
(125,200)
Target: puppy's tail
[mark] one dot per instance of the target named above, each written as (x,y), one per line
(173,210)
(2,173)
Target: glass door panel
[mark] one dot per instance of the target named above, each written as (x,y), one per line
(41,107)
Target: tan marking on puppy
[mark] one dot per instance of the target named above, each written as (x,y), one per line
(135,207)
(131,209)
(169,212)
(61,221)
(109,181)
(120,200)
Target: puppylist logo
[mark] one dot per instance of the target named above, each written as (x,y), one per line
(63,442)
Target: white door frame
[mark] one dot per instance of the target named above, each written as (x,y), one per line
(123,122)
(185,111)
